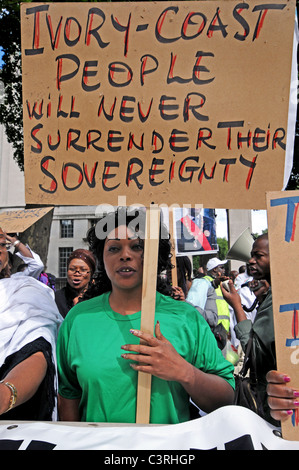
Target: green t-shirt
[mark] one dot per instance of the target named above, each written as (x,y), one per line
(91,368)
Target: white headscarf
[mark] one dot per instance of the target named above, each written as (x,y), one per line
(27,311)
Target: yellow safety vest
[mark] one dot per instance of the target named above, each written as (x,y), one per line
(222,307)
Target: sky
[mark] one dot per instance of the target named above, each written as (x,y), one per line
(259,222)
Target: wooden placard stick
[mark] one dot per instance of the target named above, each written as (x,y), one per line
(151,246)
(174,275)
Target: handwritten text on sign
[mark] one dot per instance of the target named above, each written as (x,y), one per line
(284,248)
(182,102)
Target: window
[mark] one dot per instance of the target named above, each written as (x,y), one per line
(67,228)
(64,254)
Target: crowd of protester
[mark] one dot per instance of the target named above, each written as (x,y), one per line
(74,354)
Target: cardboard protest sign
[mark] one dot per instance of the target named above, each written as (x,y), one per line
(283,224)
(173,102)
(20,220)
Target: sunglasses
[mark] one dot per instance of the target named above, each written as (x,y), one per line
(79,270)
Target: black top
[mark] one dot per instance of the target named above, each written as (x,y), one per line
(64,299)
(41,405)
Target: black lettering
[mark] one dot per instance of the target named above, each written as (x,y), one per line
(155,138)
(251,165)
(167,107)
(228,125)
(154,171)
(203,139)
(67,29)
(119,67)
(91,142)
(65,171)
(143,70)
(217,27)
(40,445)
(94,32)
(9,444)
(126,109)
(54,146)
(177,137)
(73,113)
(55,40)
(241,443)
(227,162)
(143,117)
(107,175)
(60,112)
(279,139)
(132,142)
(190,169)
(203,173)
(170,77)
(263,9)
(134,176)
(122,28)
(257,139)
(36,29)
(89,73)
(44,168)
(193,107)
(110,116)
(34,114)
(62,78)
(39,147)
(72,142)
(201,68)
(188,20)
(113,139)
(236,14)
(159,25)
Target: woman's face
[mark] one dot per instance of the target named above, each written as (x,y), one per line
(123,258)
(78,274)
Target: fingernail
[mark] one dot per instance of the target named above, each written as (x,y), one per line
(135,332)
(296,394)
(296,403)
(290,412)
(286,378)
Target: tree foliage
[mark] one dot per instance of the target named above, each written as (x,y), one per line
(11,113)
(10,75)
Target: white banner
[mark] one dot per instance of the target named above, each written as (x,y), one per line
(228,428)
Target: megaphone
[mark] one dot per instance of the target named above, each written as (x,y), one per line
(241,249)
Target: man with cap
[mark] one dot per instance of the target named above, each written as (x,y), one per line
(206,294)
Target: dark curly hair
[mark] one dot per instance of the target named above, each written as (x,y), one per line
(135,219)
(5,271)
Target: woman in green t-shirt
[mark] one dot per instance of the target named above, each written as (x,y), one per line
(99,352)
